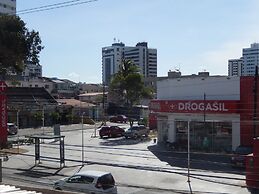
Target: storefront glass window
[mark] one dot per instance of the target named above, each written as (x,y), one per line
(209,136)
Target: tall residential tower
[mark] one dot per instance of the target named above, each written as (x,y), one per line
(245,66)
(142,56)
(7,6)
(251,59)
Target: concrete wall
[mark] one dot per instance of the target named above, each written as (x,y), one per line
(215,88)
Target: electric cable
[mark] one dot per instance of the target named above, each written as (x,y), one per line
(53,6)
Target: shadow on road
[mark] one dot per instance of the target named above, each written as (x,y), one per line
(40,171)
(199,161)
(123,141)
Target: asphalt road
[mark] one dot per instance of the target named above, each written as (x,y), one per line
(139,166)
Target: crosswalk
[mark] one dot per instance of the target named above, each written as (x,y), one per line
(7,189)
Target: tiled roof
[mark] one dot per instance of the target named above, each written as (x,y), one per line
(75,103)
(29,95)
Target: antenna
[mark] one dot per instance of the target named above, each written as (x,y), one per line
(114,40)
(177,68)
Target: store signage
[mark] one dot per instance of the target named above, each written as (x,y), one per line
(194,106)
(3,114)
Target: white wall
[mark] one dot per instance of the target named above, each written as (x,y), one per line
(215,88)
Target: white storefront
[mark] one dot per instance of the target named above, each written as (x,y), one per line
(209,105)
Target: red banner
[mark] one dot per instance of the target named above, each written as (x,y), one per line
(3,114)
(195,106)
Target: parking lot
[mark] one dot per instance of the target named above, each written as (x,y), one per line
(138,165)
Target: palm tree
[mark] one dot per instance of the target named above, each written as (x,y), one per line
(128,84)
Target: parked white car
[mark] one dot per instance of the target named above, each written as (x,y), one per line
(92,182)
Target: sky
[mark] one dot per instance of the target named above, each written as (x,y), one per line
(190,35)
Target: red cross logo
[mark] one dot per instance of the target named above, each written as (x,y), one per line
(2,86)
(172,106)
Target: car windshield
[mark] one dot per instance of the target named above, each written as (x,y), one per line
(133,128)
(105,128)
(107,181)
(11,126)
(243,150)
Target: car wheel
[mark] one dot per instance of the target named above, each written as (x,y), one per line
(101,136)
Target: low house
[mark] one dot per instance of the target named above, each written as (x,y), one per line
(76,108)
(29,107)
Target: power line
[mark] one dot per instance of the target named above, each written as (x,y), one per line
(54,6)
(45,6)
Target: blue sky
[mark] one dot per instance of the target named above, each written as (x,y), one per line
(193,35)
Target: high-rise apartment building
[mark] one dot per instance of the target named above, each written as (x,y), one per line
(251,59)
(142,56)
(235,67)
(7,6)
(245,66)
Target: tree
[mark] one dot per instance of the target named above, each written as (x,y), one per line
(128,84)
(17,45)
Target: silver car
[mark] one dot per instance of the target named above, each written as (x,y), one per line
(136,131)
(92,182)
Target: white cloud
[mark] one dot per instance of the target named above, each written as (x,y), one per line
(74,76)
(216,61)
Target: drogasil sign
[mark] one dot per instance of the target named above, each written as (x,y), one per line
(194,106)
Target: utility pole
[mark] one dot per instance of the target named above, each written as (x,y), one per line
(188,180)
(17,119)
(82,121)
(104,115)
(204,111)
(43,120)
(255,100)
(17,124)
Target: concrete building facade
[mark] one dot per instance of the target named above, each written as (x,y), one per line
(145,58)
(32,71)
(251,59)
(235,67)
(7,6)
(245,66)
(218,110)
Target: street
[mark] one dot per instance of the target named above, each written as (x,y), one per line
(138,166)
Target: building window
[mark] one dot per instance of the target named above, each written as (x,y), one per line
(214,136)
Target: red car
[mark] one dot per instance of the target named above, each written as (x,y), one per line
(111,131)
(119,119)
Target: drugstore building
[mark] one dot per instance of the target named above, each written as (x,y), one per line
(220,112)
